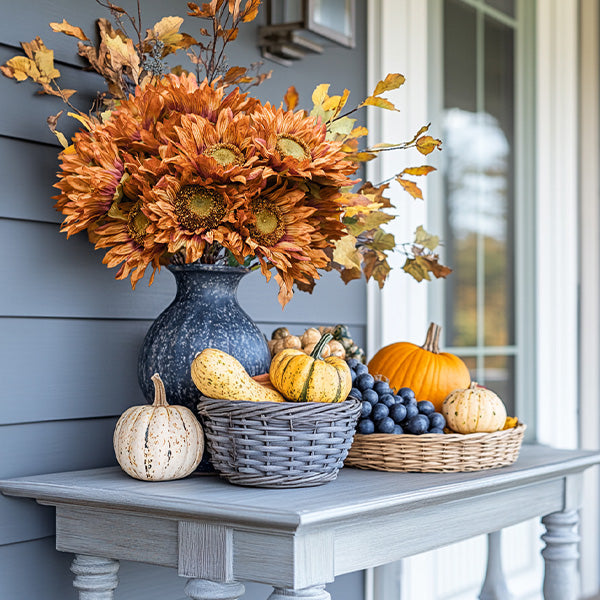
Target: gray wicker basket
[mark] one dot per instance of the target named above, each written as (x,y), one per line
(278,444)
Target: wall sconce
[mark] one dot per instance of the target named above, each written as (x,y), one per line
(295,27)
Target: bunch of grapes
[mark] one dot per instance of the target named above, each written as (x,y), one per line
(384,411)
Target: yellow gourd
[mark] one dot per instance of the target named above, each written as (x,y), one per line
(310,378)
(219,375)
(475,409)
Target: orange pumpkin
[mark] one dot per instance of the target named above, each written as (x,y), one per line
(431,374)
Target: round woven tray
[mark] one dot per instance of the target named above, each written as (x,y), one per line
(278,444)
(436,453)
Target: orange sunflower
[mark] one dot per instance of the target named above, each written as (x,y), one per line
(277,227)
(189,212)
(295,145)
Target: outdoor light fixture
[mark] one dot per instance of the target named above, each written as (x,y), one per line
(295,27)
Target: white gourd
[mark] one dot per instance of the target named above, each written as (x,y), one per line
(158,442)
(475,409)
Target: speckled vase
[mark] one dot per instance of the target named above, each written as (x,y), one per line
(204,314)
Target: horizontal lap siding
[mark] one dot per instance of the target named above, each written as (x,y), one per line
(70,333)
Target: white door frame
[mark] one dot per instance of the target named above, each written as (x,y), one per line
(398,38)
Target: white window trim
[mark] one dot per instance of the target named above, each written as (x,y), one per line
(398,36)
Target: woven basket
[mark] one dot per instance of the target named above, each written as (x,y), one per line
(278,444)
(436,453)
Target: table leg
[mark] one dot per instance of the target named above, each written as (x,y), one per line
(315,592)
(494,586)
(95,577)
(203,589)
(561,579)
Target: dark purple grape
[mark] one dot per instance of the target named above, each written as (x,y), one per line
(425,407)
(365,382)
(352,363)
(380,411)
(436,430)
(385,425)
(411,411)
(361,369)
(365,409)
(398,429)
(387,399)
(371,396)
(355,393)
(382,387)
(417,425)
(398,412)
(365,426)
(398,399)
(437,420)
(406,392)
(353,376)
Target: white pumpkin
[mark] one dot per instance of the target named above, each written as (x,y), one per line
(475,409)
(158,442)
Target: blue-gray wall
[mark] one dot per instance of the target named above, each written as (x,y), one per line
(70,333)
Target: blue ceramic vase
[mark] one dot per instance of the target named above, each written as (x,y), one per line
(204,314)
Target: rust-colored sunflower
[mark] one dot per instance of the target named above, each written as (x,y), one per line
(277,227)
(188,213)
(294,144)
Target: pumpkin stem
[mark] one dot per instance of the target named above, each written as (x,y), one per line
(316,353)
(432,341)
(474,385)
(160,395)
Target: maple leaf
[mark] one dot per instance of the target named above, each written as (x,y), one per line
(346,254)
(375,267)
(426,239)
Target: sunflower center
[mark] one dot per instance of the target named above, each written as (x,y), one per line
(290,145)
(269,227)
(226,154)
(137,222)
(199,208)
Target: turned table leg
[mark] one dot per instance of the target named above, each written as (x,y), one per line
(494,585)
(561,579)
(315,592)
(95,577)
(203,589)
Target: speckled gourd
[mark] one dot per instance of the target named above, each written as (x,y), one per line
(311,378)
(475,409)
(158,442)
(219,375)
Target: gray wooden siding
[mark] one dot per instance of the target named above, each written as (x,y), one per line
(69,333)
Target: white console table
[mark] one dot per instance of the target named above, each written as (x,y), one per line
(218,535)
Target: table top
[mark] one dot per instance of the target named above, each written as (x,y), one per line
(353,493)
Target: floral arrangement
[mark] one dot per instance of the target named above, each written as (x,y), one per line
(182,166)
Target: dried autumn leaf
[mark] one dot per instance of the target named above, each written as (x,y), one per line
(336,103)
(379,102)
(427,144)
(341,127)
(20,68)
(68,29)
(359,132)
(167,31)
(411,187)
(382,241)
(234,74)
(392,81)
(346,254)
(367,222)
(361,156)
(375,194)
(291,98)
(319,94)
(207,11)
(375,267)
(349,275)
(52,121)
(250,10)
(416,269)
(428,240)
(123,55)
(435,267)
(423,170)
(234,8)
